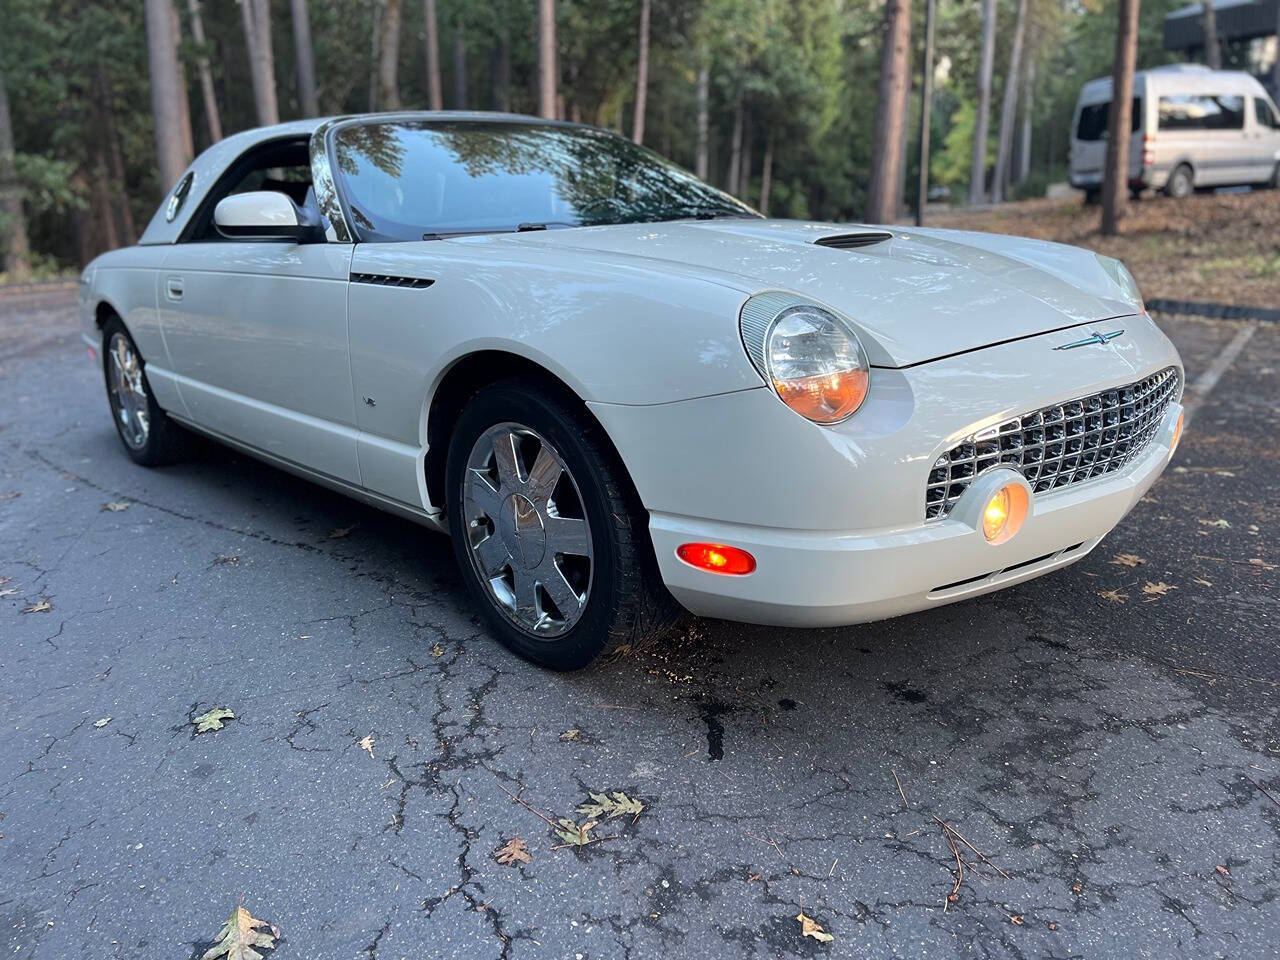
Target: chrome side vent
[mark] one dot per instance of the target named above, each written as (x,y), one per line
(851,241)
(386,280)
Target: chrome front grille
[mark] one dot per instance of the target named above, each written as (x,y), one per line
(1058,446)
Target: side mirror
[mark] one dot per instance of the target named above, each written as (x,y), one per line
(267,215)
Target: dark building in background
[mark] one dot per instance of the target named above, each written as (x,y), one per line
(1247,31)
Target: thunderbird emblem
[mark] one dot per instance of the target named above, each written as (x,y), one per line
(1098,338)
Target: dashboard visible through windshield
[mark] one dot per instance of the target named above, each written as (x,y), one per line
(424,179)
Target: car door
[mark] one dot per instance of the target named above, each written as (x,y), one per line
(257,333)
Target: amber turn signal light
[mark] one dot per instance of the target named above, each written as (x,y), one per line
(717,558)
(1003,515)
(1177,434)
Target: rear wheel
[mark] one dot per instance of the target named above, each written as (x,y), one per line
(146,431)
(1181,182)
(549,535)
(1274,182)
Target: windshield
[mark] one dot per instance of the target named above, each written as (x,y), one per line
(421,179)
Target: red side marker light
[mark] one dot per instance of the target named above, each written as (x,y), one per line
(717,558)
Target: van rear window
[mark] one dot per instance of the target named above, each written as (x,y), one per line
(1094,118)
(1199,111)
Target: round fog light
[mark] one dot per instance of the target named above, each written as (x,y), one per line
(1003,515)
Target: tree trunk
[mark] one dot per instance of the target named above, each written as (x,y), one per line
(704,98)
(886,148)
(375,44)
(1009,107)
(978,169)
(389,57)
(435,97)
(167,91)
(308,102)
(459,67)
(117,189)
(1028,112)
(1115,184)
(642,74)
(547,79)
(17,250)
(735,147)
(256,15)
(1212,51)
(501,70)
(766,173)
(212,120)
(743,189)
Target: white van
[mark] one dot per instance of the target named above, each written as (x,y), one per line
(1192,127)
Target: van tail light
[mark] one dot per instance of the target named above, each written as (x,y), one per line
(1148,150)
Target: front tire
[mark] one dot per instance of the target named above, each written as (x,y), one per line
(145,430)
(1181,182)
(550,537)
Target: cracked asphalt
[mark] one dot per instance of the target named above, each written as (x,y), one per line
(1118,760)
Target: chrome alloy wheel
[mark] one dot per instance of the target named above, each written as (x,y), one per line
(526,524)
(128,392)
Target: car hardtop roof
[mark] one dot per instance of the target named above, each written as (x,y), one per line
(209,165)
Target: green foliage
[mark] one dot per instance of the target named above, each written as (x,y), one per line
(804,72)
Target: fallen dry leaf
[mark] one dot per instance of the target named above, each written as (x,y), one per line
(4,580)
(44,606)
(116,507)
(1157,589)
(366,743)
(1259,562)
(570,735)
(212,720)
(1128,560)
(512,852)
(811,928)
(437,650)
(9,495)
(102,723)
(1115,596)
(340,532)
(1076,887)
(573,834)
(604,807)
(241,935)
(1202,581)
(1223,870)
(8,591)
(1016,920)
(1221,524)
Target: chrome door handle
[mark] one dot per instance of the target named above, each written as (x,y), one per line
(173,288)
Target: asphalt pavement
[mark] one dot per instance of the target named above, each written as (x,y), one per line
(1103,741)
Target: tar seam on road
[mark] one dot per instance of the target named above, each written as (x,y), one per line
(1205,383)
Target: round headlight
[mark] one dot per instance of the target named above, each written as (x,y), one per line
(816,364)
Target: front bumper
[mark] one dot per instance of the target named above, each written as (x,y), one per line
(809,579)
(835,516)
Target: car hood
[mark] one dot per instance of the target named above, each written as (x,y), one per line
(920,295)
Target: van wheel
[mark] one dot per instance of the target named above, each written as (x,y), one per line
(1092,198)
(1274,182)
(1181,182)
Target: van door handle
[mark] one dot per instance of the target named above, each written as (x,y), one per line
(173,288)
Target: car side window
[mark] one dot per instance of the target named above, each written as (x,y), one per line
(1197,111)
(1264,114)
(282,166)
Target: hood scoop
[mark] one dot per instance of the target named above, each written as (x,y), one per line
(851,241)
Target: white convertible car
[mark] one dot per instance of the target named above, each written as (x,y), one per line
(616,386)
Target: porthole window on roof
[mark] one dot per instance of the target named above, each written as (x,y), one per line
(178,197)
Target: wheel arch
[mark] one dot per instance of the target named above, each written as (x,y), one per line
(465,376)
